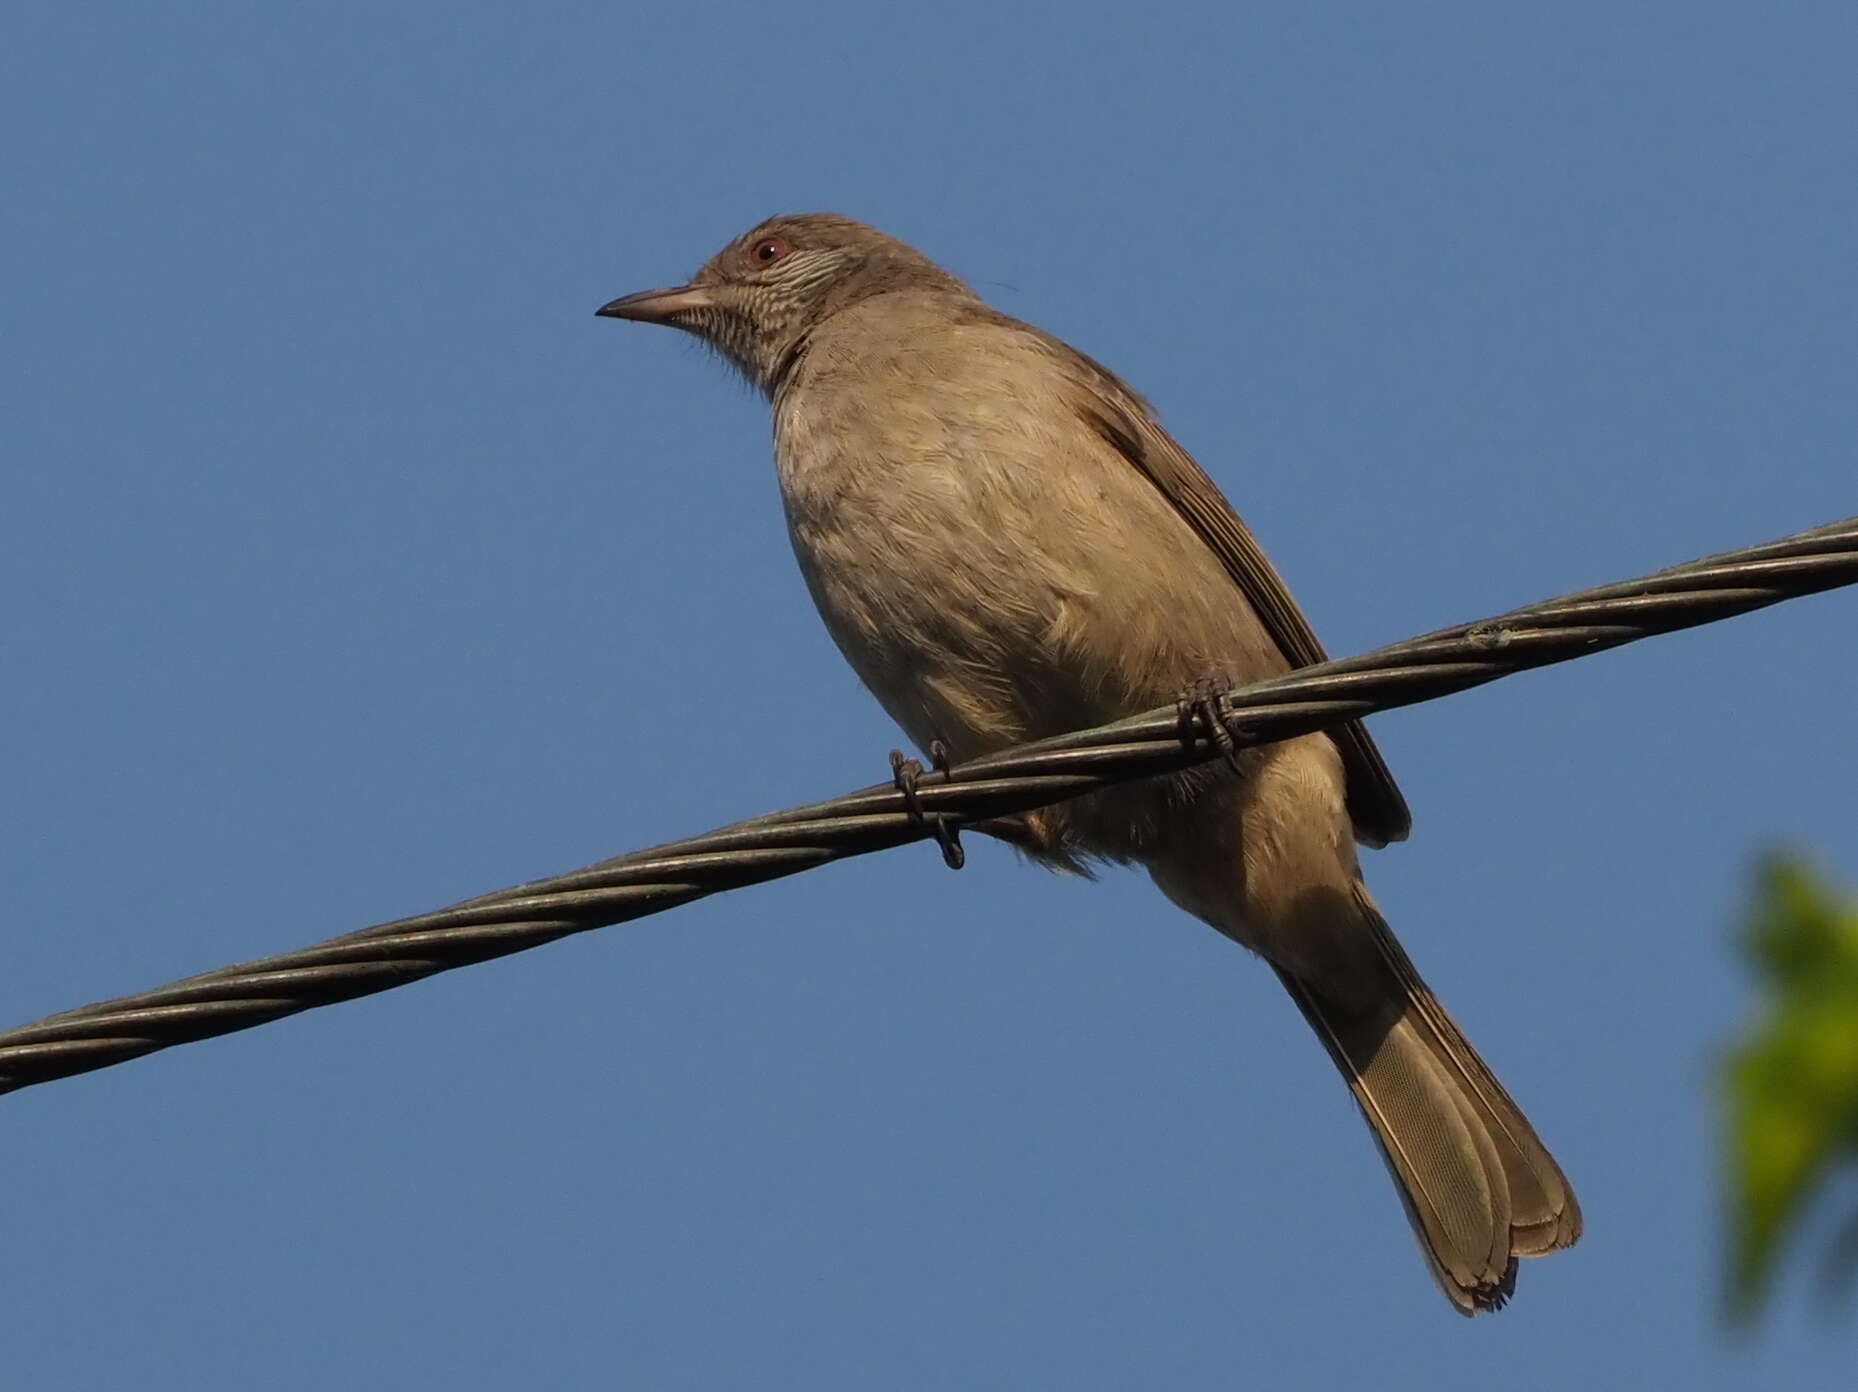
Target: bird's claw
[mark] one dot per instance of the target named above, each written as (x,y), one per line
(1199,712)
(906,773)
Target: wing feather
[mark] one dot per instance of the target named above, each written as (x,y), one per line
(1125,421)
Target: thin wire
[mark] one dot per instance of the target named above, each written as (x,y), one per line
(877,818)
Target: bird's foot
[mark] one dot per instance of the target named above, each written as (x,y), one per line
(906,773)
(1200,713)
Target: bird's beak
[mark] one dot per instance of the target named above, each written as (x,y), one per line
(657,306)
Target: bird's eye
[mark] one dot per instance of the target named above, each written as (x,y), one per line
(769,250)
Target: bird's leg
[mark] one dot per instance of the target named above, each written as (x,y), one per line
(906,773)
(1198,712)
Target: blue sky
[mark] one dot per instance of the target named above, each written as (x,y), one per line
(349,566)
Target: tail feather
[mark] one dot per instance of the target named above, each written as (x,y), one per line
(1545,1216)
(1479,1187)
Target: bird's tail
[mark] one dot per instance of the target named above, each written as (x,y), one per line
(1480,1188)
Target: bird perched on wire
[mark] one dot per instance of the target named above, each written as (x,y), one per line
(1006,545)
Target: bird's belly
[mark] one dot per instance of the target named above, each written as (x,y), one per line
(983,615)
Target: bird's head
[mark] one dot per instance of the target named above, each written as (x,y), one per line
(757,300)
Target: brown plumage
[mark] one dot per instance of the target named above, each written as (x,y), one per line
(1005,544)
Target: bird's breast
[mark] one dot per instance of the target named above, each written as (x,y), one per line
(989,570)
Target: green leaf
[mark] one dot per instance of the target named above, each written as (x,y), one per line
(1790,1086)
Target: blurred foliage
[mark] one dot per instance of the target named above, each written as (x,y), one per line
(1790,1089)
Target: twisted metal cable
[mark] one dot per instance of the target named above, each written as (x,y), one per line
(877,818)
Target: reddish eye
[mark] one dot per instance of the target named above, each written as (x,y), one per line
(769,250)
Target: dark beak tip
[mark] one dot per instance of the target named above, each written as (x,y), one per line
(655,306)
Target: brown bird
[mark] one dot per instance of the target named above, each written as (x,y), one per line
(1006,545)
